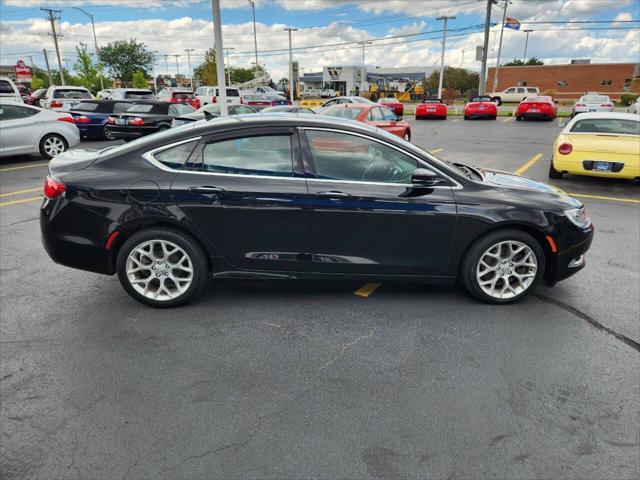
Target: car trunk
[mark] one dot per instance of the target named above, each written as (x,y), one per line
(626,147)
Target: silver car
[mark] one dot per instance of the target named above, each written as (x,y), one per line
(634,107)
(26,129)
(592,102)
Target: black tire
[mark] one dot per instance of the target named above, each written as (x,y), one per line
(466,117)
(407,135)
(44,151)
(443,118)
(107,134)
(493,118)
(471,259)
(497,100)
(553,173)
(518,118)
(419,118)
(191,247)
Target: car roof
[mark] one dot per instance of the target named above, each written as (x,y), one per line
(601,115)
(354,105)
(69,87)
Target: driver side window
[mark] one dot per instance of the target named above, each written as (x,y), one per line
(339,156)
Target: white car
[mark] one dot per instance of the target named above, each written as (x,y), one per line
(265,90)
(8,90)
(208,95)
(513,94)
(104,94)
(25,129)
(342,100)
(634,107)
(592,102)
(131,94)
(63,99)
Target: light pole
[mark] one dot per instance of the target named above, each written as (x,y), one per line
(462,62)
(177,66)
(504,18)
(255,35)
(189,50)
(226,49)
(291,87)
(526,42)
(444,42)
(219,49)
(95,43)
(485,47)
(166,63)
(363,75)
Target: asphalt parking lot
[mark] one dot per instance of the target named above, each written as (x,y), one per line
(326,379)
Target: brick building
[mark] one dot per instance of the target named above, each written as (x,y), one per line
(571,81)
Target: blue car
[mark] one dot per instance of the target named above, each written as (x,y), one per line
(91,116)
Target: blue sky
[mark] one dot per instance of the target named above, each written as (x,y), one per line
(171,26)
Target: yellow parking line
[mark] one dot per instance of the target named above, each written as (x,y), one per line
(23,166)
(507,120)
(529,164)
(18,192)
(599,197)
(22,200)
(437,150)
(366,290)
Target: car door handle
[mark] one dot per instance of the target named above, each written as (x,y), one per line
(206,189)
(333,194)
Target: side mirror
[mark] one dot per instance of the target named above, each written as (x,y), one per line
(424,177)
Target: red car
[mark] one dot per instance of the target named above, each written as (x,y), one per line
(537,107)
(175,95)
(375,115)
(431,108)
(393,104)
(35,97)
(480,107)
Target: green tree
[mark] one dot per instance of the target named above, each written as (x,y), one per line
(241,75)
(139,80)
(457,79)
(86,72)
(534,61)
(124,57)
(514,63)
(205,73)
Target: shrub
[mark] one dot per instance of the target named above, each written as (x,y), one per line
(628,98)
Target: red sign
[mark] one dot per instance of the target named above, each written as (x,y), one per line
(22,72)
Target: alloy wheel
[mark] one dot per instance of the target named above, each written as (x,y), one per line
(54,146)
(159,270)
(506,269)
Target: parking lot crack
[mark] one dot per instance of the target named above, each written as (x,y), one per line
(574,311)
(342,349)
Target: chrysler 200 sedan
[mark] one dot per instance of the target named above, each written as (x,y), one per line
(302,196)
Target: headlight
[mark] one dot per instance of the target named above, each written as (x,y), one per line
(578,217)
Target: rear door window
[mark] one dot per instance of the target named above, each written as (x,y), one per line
(15,112)
(269,155)
(175,157)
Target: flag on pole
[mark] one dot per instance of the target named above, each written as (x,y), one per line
(512,23)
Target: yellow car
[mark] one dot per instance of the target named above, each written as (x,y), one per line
(604,144)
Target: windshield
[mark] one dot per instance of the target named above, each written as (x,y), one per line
(341,112)
(607,125)
(139,95)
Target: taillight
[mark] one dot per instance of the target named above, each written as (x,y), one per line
(111,120)
(580,105)
(565,149)
(606,105)
(136,121)
(67,119)
(241,101)
(173,100)
(214,99)
(55,104)
(289,102)
(82,119)
(53,188)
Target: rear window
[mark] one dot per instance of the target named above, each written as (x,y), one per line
(87,106)
(532,90)
(5,87)
(182,96)
(70,93)
(139,95)
(232,92)
(607,125)
(481,99)
(341,112)
(596,98)
(143,108)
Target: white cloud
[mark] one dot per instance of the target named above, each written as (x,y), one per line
(408,29)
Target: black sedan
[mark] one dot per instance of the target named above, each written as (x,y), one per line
(293,196)
(209,111)
(144,118)
(288,109)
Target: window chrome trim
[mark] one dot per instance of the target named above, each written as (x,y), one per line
(149,155)
(456,185)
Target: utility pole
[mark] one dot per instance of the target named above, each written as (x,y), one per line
(504,18)
(226,49)
(444,42)
(95,43)
(46,61)
(255,36)
(166,63)
(291,86)
(526,42)
(189,50)
(363,75)
(485,48)
(55,36)
(177,67)
(66,63)
(462,62)
(219,49)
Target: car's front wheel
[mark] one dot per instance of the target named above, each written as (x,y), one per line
(161,267)
(503,266)
(52,144)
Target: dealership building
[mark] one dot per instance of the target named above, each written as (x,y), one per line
(570,81)
(347,79)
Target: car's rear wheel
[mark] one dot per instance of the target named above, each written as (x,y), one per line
(493,117)
(497,100)
(161,268)
(466,117)
(553,173)
(52,144)
(503,266)
(518,118)
(407,136)
(107,134)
